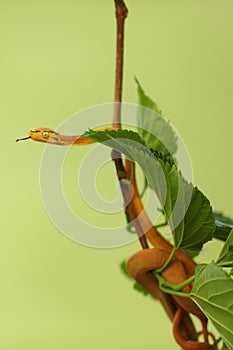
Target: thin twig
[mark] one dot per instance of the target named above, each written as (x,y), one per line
(121,14)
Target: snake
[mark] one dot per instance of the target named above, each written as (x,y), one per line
(140,266)
(142,263)
(47,135)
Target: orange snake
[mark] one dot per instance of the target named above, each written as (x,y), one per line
(143,262)
(50,136)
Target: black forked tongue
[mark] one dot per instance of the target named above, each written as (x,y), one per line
(24,138)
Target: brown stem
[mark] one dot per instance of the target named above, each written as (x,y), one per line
(121,14)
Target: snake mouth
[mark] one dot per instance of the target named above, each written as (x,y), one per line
(23,138)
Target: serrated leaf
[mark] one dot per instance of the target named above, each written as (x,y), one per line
(222,233)
(187,210)
(146,101)
(223,227)
(198,222)
(154,129)
(106,135)
(225,258)
(213,293)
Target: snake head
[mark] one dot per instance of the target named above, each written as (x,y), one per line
(44,135)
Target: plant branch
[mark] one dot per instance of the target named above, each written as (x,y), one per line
(121,14)
(126,188)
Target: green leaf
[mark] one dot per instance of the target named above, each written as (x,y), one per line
(187,210)
(213,293)
(146,101)
(223,224)
(154,129)
(223,227)
(198,222)
(225,258)
(222,232)
(106,135)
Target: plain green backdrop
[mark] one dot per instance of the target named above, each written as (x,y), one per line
(57,57)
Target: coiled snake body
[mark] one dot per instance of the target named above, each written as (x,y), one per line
(141,264)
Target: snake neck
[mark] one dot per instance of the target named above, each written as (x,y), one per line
(74,140)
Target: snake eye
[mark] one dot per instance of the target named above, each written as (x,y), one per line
(45,134)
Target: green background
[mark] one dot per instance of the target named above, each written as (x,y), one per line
(57,57)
